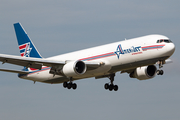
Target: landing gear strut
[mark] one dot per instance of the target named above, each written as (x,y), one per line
(70,85)
(111,86)
(160,72)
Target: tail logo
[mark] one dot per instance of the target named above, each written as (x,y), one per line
(25,49)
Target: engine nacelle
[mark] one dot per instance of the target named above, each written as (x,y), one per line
(74,68)
(143,73)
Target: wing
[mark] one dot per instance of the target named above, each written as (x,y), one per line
(37,63)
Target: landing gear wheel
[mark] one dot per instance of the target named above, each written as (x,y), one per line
(65,84)
(160,72)
(111,86)
(115,87)
(106,86)
(74,86)
(69,85)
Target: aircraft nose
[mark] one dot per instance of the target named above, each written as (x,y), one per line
(171,48)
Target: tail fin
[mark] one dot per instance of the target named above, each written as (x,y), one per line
(26,46)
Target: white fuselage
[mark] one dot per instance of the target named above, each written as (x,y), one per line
(118,56)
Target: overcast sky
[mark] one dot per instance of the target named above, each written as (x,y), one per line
(60,26)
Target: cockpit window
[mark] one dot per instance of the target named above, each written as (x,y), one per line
(164,40)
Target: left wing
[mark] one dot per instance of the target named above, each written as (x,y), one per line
(37,63)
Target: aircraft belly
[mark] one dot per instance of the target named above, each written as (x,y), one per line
(56,80)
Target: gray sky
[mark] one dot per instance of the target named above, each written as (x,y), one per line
(60,26)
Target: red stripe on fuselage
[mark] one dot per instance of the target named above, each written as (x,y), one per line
(97,56)
(153,46)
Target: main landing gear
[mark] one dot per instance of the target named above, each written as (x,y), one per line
(160,72)
(111,86)
(108,86)
(70,85)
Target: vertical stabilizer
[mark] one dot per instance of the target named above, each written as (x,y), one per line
(26,46)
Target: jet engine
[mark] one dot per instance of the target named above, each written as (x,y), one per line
(143,73)
(74,68)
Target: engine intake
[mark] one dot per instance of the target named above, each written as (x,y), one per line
(143,73)
(74,68)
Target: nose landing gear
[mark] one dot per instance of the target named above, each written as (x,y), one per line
(160,72)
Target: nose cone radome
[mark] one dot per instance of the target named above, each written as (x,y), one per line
(170,48)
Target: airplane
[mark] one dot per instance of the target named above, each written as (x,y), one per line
(141,58)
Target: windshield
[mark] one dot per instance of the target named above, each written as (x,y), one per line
(164,40)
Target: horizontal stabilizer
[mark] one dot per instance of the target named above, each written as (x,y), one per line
(14,71)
